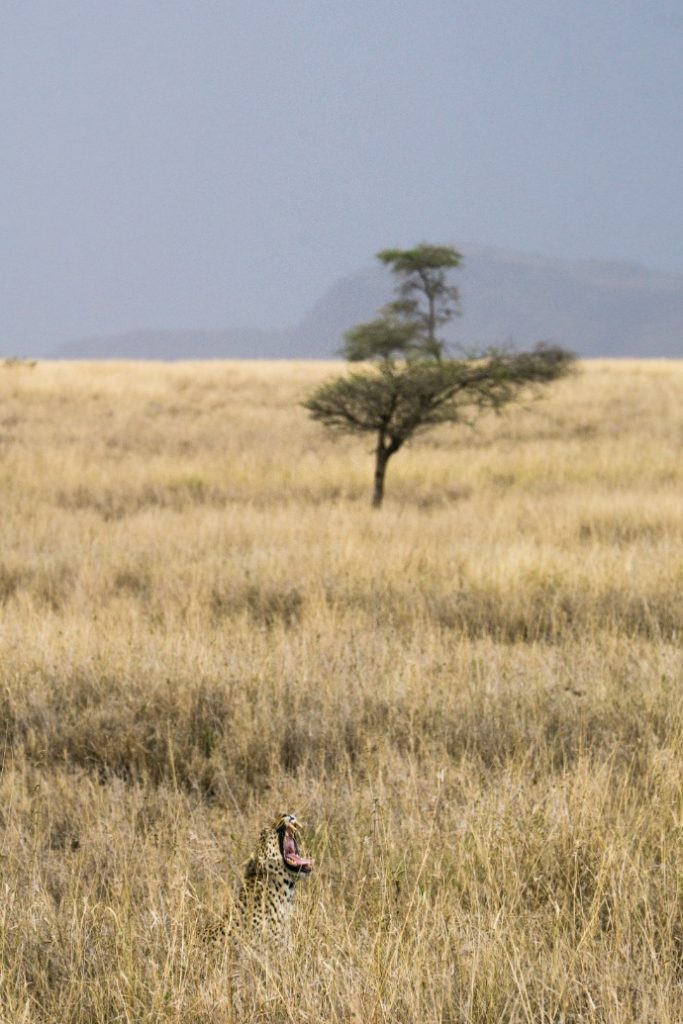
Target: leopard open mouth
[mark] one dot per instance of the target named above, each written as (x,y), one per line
(291,856)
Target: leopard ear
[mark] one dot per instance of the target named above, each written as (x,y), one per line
(250,867)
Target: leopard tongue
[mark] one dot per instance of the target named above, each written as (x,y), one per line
(292,856)
(296,861)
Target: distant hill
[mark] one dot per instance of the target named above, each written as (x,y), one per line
(186,344)
(594,308)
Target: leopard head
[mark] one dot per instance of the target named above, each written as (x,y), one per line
(278,850)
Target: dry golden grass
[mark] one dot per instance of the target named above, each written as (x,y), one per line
(473,699)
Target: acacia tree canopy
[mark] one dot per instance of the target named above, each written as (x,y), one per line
(404,399)
(411,386)
(385,338)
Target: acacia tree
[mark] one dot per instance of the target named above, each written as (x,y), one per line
(426,298)
(411,384)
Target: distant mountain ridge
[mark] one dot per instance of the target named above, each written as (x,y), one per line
(594,308)
(185,344)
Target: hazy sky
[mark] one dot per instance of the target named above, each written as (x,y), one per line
(211,163)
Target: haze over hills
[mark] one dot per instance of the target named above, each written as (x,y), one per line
(594,308)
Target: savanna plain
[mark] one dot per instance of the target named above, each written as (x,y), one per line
(472,698)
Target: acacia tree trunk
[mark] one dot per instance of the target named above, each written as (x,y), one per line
(381,459)
(383,453)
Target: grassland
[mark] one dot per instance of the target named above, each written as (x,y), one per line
(473,698)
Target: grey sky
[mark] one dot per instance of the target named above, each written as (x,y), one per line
(207,163)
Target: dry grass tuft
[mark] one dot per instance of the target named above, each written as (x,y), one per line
(473,699)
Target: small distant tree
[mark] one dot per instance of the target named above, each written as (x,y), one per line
(411,384)
(425,297)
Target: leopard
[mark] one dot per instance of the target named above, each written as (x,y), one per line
(260,916)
